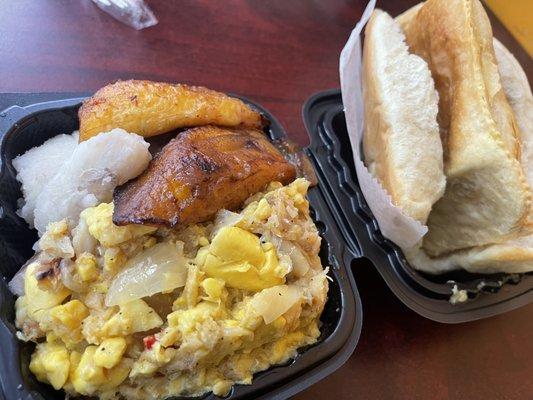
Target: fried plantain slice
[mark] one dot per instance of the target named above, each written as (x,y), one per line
(199,172)
(151,108)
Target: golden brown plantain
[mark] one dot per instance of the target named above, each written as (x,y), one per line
(198,173)
(151,108)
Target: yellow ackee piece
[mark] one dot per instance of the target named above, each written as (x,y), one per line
(114,258)
(237,257)
(70,314)
(203,241)
(75,358)
(88,376)
(213,288)
(134,316)
(110,352)
(100,223)
(116,375)
(186,320)
(233,244)
(201,255)
(50,363)
(87,267)
(38,299)
(263,210)
(279,350)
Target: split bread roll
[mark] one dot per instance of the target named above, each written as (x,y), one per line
(516,88)
(515,255)
(401,143)
(518,93)
(487,199)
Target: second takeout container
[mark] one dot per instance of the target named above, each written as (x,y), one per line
(23,127)
(428,295)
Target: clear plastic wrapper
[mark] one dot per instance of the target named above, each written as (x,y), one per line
(134,13)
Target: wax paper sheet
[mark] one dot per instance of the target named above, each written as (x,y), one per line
(396,226)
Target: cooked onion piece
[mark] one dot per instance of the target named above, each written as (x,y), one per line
(300,263)
(275,301)
(160,268)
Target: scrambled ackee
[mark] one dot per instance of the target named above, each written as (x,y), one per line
(138,312)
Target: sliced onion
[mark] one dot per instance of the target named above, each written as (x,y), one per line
(82,241)
(300,263)
(275,301)
(225,218)
(66,268)
(155,270)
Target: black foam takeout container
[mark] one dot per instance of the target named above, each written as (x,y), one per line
(33,120)
(346,224)
(428,295)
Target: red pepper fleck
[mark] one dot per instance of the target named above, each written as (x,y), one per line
(149,342)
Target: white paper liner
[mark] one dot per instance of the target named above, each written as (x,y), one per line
(394,224)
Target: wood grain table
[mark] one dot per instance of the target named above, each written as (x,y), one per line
(277,53)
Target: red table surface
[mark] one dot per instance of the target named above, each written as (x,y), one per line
(277,53)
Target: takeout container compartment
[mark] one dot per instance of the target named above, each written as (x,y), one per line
(331,153)
(24,127)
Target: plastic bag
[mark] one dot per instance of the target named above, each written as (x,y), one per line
(134,13)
